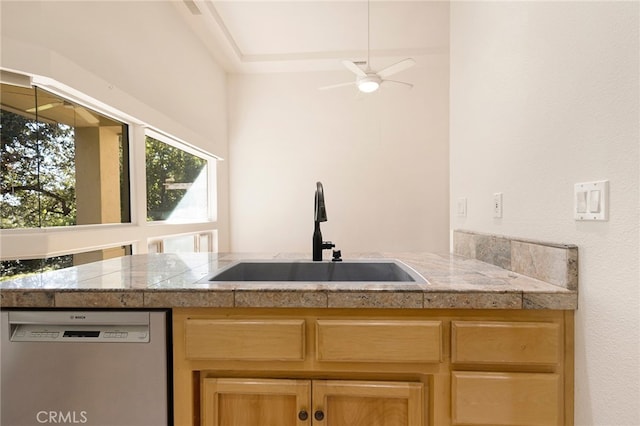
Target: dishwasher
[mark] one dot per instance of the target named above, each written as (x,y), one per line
(92,367)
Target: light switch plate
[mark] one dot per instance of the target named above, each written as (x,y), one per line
(461,207)
(591,200)
(497,205)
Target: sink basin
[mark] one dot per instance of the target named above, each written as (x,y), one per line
(382,270)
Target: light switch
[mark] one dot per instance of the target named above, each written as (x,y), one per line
(594,201)
(591,200)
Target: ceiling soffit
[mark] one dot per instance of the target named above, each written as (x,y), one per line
(271,36)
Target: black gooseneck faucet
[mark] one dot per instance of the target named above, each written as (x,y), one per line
(319,216)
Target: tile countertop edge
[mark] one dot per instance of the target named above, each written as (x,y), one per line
(353,299)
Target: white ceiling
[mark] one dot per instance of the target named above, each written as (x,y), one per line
(302,35)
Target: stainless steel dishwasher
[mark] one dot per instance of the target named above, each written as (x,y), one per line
(99,368)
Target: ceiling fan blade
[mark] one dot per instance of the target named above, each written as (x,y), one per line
(333,86)
(397,67)
(399,83)
(354,68)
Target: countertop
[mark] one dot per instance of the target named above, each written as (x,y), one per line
(179,280)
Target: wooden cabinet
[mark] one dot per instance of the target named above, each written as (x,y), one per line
(246,339)
(256,402)
(335,367)
(379,341)
(282,402)
(362,403)
(505,342)
(489,398)
(523,385)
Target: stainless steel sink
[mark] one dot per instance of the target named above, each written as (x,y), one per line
(377,270)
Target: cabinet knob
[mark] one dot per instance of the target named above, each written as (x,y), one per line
(319,415)
(303,415)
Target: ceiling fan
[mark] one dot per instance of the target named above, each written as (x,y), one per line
(367,80)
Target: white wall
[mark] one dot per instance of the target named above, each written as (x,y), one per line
(139,57)
(383,160)
(140,48)
(545,95)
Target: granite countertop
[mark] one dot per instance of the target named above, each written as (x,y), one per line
(179,280)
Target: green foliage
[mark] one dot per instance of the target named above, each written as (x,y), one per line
(37,181)
(167,164)
(37,184)
(11,269)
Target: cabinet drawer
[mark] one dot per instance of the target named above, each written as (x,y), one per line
(379,341)
(246,340)
(499,342)
(505,399)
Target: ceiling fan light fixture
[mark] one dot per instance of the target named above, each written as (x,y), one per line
(369,84)
(368,81)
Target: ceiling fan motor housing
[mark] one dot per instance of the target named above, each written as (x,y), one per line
(369,83)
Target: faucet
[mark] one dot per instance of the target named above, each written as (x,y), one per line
(319,216)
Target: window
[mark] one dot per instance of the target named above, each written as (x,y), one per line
(17,268)
(66,162)
(177,183)
(62,164)
(190,243)
(10,269)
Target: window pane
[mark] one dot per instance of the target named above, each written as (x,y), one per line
(177,184)
(181,244)
(10,269)
(62,164)
(204,242)
(17,268)
(191,243)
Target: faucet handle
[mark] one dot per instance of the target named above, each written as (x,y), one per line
(337,256)
(327,245)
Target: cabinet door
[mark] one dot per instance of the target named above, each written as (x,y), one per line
(366,403)
(255,402)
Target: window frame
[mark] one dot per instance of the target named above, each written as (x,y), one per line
(40,90)
(46,242)
(190,149)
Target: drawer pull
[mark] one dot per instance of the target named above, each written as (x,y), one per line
(303,415)
(319,415)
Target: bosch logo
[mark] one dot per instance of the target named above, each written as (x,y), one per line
(62,417)
(77,317)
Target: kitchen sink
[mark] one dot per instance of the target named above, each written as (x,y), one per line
(377,270)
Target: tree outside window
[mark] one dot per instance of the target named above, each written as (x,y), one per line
(177,184)
(62,164)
